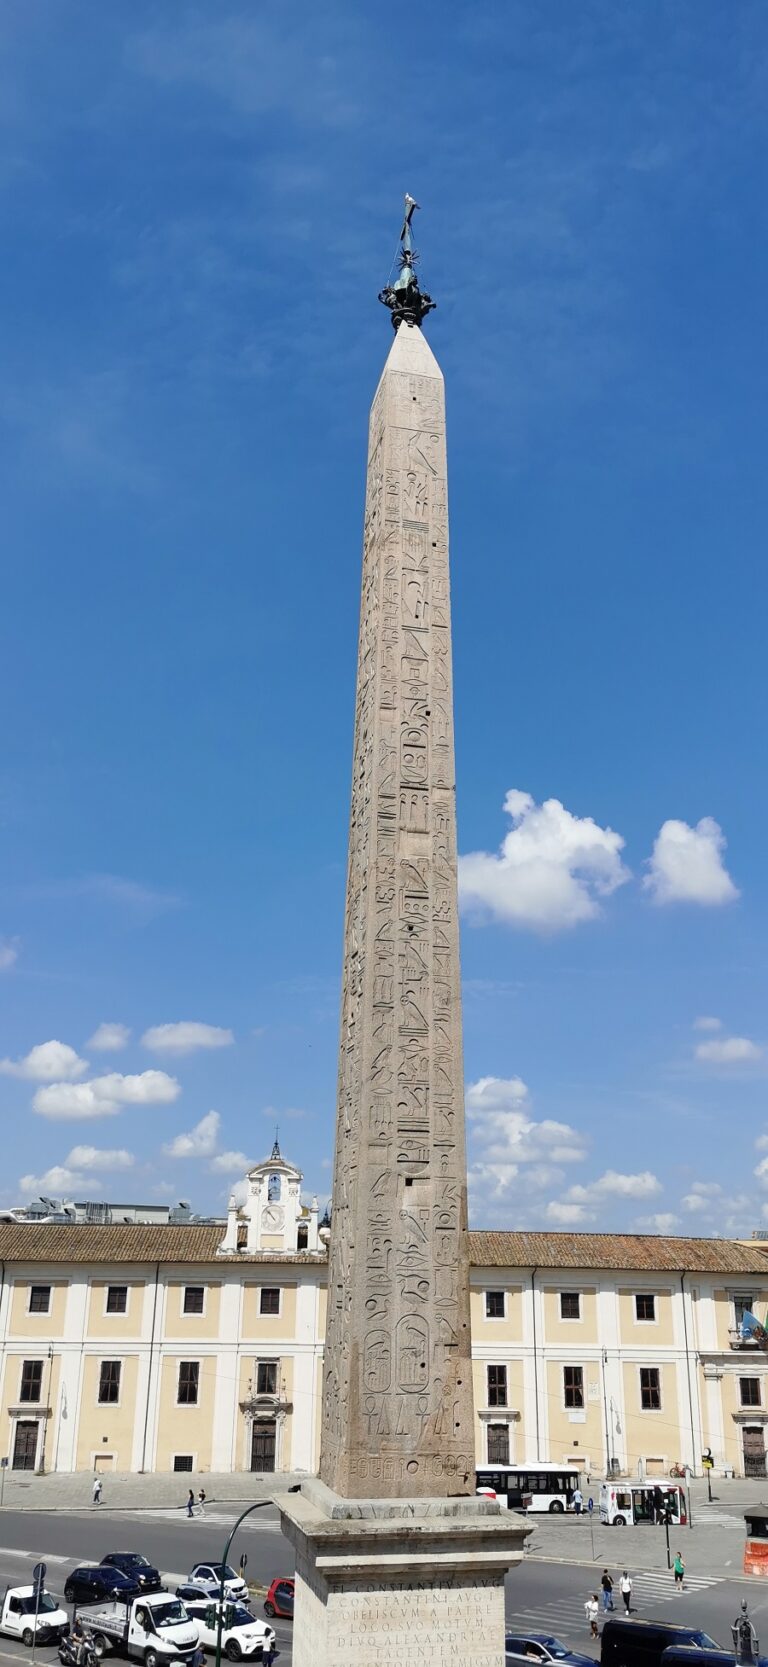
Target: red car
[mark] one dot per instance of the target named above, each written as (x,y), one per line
(279,1598)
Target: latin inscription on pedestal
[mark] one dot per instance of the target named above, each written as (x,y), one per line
(411,1622)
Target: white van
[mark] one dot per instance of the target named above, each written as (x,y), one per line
(630,1502)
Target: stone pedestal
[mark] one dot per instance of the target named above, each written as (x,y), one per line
(398,1583)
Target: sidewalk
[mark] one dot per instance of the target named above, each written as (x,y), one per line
(126,1491)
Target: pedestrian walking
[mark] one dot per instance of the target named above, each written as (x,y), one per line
(658,1505)
(190,1504)
(578,1501)
(678,1569)
(625,1587)
(607,1585)
(268,1655)
(201,1501)
(97,1490)
(592,1610)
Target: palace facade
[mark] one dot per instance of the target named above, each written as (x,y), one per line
(198,1347)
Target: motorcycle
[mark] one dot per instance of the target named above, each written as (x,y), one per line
(77,1652)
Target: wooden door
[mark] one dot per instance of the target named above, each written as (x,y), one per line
(25,1444)
(263,1444)
(498,1444)
(754,1450)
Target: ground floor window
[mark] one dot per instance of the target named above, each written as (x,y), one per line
(182,1461)
(498,1444)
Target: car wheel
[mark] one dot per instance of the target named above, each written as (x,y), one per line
(233,1651)
(150,1658)
(100,1645)
(269,1609)
(69,1595)
(556,1508)
(28,1637)
(619,1522)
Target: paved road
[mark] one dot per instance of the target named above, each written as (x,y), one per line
(541,1595)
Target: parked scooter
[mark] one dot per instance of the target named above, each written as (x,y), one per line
(76,1650)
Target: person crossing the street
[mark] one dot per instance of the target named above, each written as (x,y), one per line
(607,1585)
(592,1610)
(678,1569)
(625,1587)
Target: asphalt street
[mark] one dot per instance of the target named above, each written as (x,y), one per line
(542,1596)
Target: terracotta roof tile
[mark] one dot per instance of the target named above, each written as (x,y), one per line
(52,1242)
(651,1251)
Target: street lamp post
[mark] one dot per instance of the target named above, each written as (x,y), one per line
(220,1620)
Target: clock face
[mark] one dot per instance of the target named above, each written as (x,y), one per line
(273,1218)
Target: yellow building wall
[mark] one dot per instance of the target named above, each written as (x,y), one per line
(652,1434)
(730,1391)
(285,1386)
(724,1312)
(650,1333)
(568,1437)
(185,1429)
(45,1326)
(102,1325)
(30,1409)
(116,1422)
(573,1333)
(268,1327)
(195,1327)
(508,1330)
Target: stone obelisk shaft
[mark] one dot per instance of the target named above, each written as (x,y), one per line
(397,1394)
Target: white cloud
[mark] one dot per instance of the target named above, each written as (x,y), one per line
(663,1222)
(109,1038)
(100,1159)
(231,1163)
(56,1182)
(103,1096)
(507,1133)
(568,1215)
(47,1062)
(185,1037)
(707,1024)
(732,1050)
(550,871)
(9,953)
(687,865)
(288,1113)
(701,1197)
(614,1184)
(199,1142)
(762,1170)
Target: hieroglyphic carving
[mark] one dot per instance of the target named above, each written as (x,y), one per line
(397,1412)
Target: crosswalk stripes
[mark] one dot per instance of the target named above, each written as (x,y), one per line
(648,1589)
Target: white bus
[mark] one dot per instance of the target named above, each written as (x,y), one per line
(529,1487)
(650,1501)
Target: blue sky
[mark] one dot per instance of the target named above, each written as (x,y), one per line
(199,205)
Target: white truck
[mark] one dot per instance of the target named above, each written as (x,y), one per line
(17,1616)
(154,1629)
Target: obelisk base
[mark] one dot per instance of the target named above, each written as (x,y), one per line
(396,1582)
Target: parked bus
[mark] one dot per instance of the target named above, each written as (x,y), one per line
(629,1502)
(536,1487)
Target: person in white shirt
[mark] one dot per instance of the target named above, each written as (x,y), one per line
(591,1610)
(578,1501)
(625,1587)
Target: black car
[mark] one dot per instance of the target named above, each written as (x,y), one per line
(96,1583)
(626,1643)
(136,1567)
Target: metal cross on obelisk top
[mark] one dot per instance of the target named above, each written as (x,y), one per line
(397,1394)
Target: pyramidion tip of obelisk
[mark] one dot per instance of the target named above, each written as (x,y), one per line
(410,351)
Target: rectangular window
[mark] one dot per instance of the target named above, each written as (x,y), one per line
(266,1377)
(117,1299)
(497,1386)
(182,1461)
(39,1299)
(498,1444)
(570,1305)
(650,1389)
(495,1305)
(573,1386)
(109,1382)
(189,1379)
(645,1306)
(742,1305)
(749,1387)
(194,1299)
(31,1380)
(269,1299)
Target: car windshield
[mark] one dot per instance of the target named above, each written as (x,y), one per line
(702,1641)
(217,1568)
(45,1605)
(168,1614)
(556,1648)
(134,1559)
(242,1617)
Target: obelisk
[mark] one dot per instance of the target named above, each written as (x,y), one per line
(397,1401)
(394,1515)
